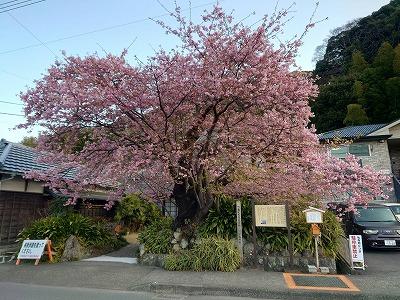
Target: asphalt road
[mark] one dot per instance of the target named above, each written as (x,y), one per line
(18,291)
(382,262)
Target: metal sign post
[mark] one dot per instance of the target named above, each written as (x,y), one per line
(316,233)
(314,217)
(239,228)
(289,232)
(316,252)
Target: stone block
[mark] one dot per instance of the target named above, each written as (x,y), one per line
(312,269)
(324,270)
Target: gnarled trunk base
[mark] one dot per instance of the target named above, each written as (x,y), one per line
(188,206)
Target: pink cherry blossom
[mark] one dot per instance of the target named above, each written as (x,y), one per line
(226,111)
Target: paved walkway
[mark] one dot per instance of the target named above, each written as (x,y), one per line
(125,255)
(244,283)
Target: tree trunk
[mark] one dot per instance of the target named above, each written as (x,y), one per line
(189,209)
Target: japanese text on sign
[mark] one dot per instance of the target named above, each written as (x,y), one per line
(32,249)
(356,251)
(270,215)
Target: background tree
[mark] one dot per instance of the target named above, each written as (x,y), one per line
(396,61)
(222,113)
(330,107)
(366,35)
(358,63)
(383,61)
(375,87)
(355,115)
(30,141)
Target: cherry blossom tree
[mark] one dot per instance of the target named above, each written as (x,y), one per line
(227,111)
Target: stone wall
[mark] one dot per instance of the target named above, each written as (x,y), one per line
(153,260)
(395,157)
(379,159)
(279,261)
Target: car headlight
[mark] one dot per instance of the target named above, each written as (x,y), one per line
(370,231)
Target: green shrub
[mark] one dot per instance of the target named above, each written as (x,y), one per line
(156,237)
(59,228)
(221,219)
(135,212)
(212,253)
(182,261)
(277,239)
(57,207)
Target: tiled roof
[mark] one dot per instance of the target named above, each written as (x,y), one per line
(351,131)
(18,159)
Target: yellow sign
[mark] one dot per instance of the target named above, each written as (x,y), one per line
(270,215)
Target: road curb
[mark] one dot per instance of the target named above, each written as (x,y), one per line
(199,290)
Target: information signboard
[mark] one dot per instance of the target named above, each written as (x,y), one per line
(270,215)
(32,249)
(356,252)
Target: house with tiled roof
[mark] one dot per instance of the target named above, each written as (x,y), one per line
(24,200)
(376,145)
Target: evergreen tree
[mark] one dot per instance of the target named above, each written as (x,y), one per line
(393,96)
(383,60)
(358,89)
(396,60)
(29,141)
(358,63)
(330,107)
(356,115)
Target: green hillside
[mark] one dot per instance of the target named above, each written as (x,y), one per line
(359,76)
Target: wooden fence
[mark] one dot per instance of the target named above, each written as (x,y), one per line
(18,210)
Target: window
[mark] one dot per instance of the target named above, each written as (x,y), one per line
(170,209)
(359,149)
(340,152)
(374,214)
(354,149)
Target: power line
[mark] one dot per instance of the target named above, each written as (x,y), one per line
(99,30)
(7,102)
(15,75)
(9,2)
(9,114)
(32,34)
(14,4)
(14,8)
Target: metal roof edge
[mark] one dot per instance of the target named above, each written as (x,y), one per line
(5,152)
(387,126)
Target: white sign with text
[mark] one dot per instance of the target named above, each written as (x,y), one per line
(32,249)
(356,252)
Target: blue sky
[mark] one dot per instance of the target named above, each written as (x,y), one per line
(82,27)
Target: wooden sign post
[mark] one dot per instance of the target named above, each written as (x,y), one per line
(314,217)
(239,228)
(272,216)
(34,249)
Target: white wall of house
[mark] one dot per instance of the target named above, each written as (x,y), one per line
(19,185)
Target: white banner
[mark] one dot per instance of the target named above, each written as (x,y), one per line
(32,249)
(356,252)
